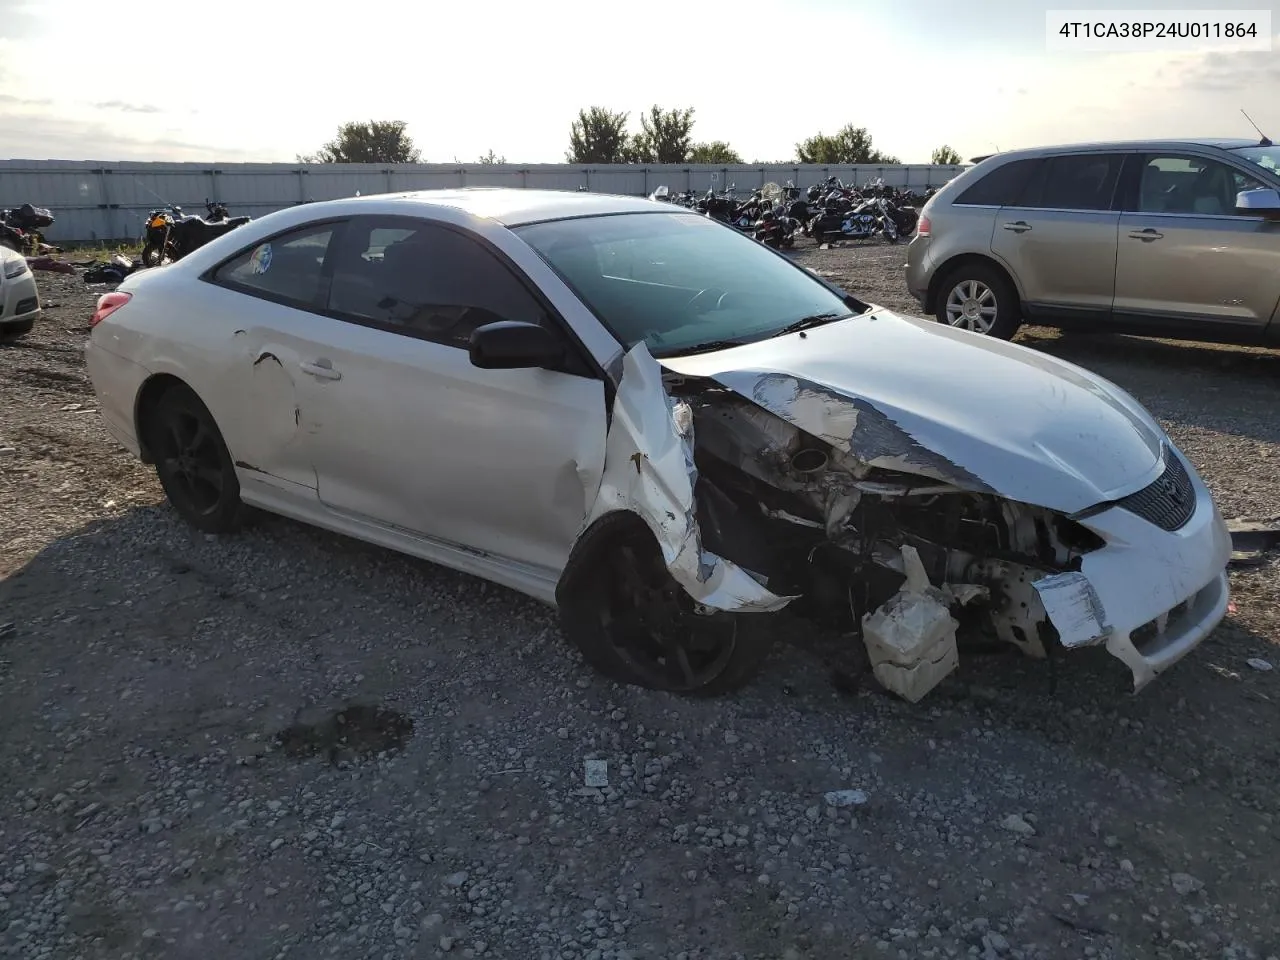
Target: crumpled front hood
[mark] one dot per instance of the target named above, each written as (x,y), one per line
(920,397)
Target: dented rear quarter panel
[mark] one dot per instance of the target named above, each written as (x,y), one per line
(174,326)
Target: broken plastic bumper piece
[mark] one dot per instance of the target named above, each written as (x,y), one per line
(1150,595)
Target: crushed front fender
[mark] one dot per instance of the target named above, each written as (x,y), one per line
(649,471)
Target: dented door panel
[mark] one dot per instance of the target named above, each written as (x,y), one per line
(500,462)
(268,360)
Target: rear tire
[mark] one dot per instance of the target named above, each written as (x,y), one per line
(635,625)
(977,297)
(192,461)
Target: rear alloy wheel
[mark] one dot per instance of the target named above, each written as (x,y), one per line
(636,625)
(979,299)
(192,462)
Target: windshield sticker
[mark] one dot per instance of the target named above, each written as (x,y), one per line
(260,259)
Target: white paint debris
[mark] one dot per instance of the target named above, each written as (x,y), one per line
(1015,823)
(1074,608)
(649,471)
(1185,884)
(845,798)
(597,773)
(911,639)
(1259,664)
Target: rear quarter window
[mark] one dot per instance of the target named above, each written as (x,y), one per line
(1001,187)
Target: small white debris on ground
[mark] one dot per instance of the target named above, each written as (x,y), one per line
(845,798)
(597,773)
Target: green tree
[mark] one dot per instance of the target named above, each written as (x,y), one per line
(717,151)
(849,144)
(944,156)
(491,158)
(598,135)
(638,149)
(667,134)
(373,141)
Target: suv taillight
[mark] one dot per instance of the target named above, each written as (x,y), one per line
(923,226)
(108,304)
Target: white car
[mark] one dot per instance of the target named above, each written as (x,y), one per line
(662,427)
(19,299)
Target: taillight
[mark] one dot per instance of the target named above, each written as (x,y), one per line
(108,304)
(923,226)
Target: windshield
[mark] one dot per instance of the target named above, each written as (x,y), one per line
(1266,157)
(681,282)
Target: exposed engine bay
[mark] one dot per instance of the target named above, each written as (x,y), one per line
(855,544)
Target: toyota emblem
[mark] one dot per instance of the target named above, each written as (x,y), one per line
(1170,490)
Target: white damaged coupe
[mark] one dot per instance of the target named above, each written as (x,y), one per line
(664,428)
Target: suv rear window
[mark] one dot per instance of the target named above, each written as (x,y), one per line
(1079,181)
(1002,186)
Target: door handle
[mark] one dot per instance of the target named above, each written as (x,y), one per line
(1147,234)
(323,369)
(1018,226)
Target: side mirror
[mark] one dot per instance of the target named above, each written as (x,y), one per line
(1263,203)
(512,345)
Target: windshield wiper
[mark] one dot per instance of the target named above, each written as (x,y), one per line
(817,320)
(704,347)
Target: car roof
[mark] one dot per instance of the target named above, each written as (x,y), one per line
(1224,143)
(513,206)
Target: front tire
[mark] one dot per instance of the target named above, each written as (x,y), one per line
(192,461)
(635,625)
(977,297)
(152,255)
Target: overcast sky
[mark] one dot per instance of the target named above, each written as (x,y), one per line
(268,79)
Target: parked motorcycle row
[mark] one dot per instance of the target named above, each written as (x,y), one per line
(171,235)
(830,210)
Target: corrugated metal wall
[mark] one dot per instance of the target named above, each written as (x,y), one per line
(93,200)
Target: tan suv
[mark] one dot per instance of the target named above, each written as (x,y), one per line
(1160,238)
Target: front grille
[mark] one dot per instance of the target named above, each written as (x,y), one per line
(26,306)
(1169,501)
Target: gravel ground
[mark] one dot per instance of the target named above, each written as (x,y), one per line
(145,673)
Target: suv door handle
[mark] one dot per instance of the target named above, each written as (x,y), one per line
(1018,226)
(321,368)
(1147,234)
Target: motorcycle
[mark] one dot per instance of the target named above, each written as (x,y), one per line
(718,206)
(156,243)
(217,211)
(749,212)
(904,218)
(20,229)
(775,231)
(859,223)
(171,235)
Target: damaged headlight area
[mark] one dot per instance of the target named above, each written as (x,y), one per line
(726,500)
(892,553)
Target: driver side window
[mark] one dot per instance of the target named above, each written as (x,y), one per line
(1191,185)
(425,280)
